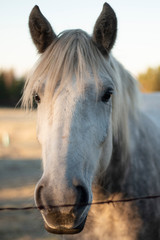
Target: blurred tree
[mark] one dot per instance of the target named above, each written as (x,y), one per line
(10,88)
(3,91)
(158,79)
(150,80)
(9,77)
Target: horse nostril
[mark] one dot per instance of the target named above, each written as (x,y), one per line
(83,196)
(38,196)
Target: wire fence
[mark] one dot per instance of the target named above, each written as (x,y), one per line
(82,204)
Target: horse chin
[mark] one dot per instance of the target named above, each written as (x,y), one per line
(63,230)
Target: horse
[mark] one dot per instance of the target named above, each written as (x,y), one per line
(99,142)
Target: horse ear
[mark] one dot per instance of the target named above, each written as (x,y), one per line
(40,29)
(105,30)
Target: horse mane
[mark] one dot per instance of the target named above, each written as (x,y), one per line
(74,53)
(125,113)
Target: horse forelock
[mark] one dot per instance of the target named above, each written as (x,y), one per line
(73,53)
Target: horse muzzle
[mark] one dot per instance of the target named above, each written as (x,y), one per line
(64,227)
(69,217)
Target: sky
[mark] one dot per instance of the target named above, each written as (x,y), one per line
(138,41)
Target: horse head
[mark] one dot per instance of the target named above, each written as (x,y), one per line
(73,92)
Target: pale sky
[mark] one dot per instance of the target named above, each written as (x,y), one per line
(138,42)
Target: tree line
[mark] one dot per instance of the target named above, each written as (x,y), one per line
(150,80)
(11,87)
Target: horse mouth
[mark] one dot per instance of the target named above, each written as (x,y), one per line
(63,230)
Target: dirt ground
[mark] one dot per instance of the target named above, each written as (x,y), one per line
(20,169)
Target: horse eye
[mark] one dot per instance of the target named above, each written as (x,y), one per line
(107,95)
(37,98)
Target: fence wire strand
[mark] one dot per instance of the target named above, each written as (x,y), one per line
(82,204)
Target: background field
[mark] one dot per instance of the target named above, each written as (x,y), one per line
(20,169)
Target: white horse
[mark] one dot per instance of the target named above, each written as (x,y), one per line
(97,142)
